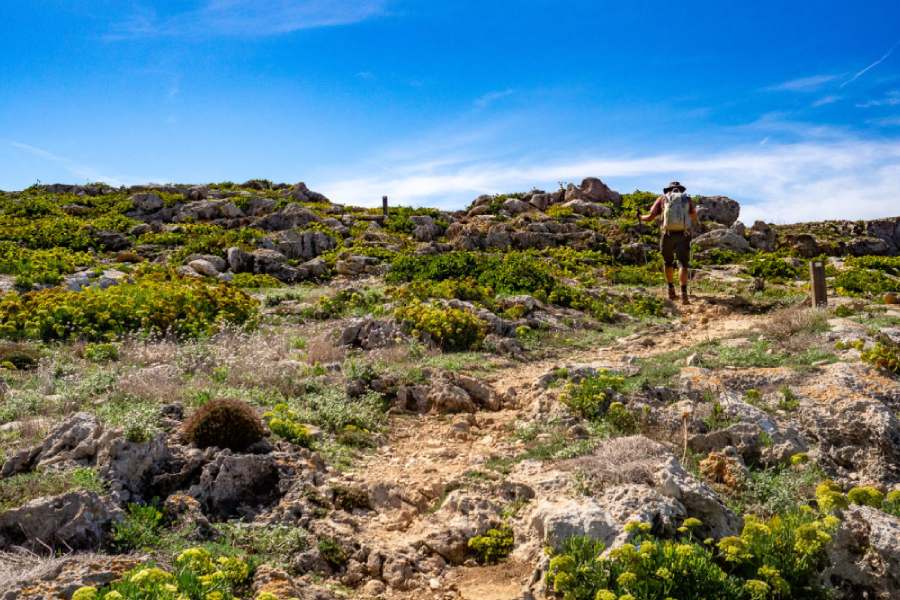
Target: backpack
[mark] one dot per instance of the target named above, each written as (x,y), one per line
(676,211)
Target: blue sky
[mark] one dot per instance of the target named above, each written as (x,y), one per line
(791,108)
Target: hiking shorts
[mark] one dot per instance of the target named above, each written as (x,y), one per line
(675,244)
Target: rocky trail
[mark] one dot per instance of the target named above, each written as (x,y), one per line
(425,456)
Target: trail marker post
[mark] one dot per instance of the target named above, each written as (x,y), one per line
(817,283)
(384,207)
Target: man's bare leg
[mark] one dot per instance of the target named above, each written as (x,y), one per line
(684,282)
(670,281)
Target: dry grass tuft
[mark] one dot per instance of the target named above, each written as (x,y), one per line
(632,459)
(323,349)
(787,323)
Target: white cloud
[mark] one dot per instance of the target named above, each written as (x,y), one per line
(491,97)
(776,182)
(249,18)
(862,72)
(886,122)
(891,99)
(803,84)
(825,100)
(78,170)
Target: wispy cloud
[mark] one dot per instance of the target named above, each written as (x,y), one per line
(79,171)
(892,98)
(776,182)
(803,84)
(247,18)
(826,100)
(886,121)
(491,97)
(862,72)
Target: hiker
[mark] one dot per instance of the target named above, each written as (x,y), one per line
(678,213)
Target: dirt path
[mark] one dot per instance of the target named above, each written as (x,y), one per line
(425,453)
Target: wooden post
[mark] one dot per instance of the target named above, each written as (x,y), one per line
(384,207)
(817,281)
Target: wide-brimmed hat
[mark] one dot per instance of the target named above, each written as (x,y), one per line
(675,185)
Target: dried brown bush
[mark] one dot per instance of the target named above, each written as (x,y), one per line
(323,349)
(789,322)
(224,423)
(630,459)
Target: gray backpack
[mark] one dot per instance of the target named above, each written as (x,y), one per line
(676,211)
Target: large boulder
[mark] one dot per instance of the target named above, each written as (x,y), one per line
(289,217)
(724,239)
(368,333)
(593,190)
(73,521)
(75,439)
(588,209)
(300,193)
(237,485)
(239,261)
(762,236)
(207,210)
(146,202)
(719,209)
(303,245)
(864,556)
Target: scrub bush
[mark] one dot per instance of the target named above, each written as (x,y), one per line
(449,328)
(180,307)
(196,574)
(590,397)
(781,557)
(285,423)
(884,355)
(493,546)
(224,423)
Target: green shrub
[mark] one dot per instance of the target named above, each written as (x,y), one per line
(181,307)
(493,546)
(139,530)
(866,495)
(864,282)
(39,266)
(345,302)
(884,355)
(462,289)
(224,423)
(398,220)
(779,558)
(19,489)
(255,281)
(644,275)
(558,211)
(829,497)
(331,551)
(285,423)
(101,352)
(589,398)
(891,503)
(197,574)
(886,264)
(772,267)
(449,328)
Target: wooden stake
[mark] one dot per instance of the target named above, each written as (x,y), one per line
(384,207)
(817,288)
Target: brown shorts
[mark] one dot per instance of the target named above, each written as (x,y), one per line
(675,244)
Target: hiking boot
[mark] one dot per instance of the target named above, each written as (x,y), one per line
(672,293)
(684,296)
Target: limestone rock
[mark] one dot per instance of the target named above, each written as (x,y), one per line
(75,521)
(237,484)
(719,209)
(864,556)
(725,239)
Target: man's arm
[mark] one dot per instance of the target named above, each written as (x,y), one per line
(655,211)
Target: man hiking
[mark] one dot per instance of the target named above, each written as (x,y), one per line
(678,213)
